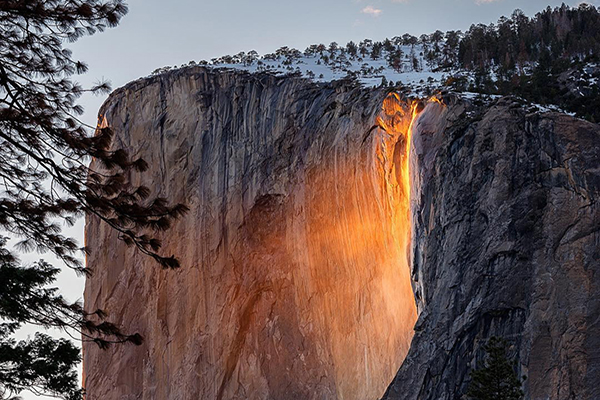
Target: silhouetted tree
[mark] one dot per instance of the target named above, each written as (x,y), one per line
(376,50)
(45,180)
(496,380)
(564,31)
(352,48)
(394,59)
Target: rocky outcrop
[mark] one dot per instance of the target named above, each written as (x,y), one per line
(295,282)
(297,252)
(506,243)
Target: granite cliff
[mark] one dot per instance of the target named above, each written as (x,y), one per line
(505,243)
(305,266)
(295,281)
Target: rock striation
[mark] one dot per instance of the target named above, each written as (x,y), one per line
(506,234)
(295,282)
(305,266)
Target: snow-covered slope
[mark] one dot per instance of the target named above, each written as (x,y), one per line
(422,66)
(406,61)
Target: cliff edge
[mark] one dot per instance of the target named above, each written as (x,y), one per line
(506,243)
(295,281)
(320,230)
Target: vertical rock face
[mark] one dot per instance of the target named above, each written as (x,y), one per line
(296,277)
(506,242)
(295,282)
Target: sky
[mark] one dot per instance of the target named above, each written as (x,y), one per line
(158,33)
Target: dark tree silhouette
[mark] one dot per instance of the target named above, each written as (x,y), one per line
(46,181)
(533,57)
(496,380)
(562,32)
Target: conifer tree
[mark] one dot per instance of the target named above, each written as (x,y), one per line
(496,380)
(46,181)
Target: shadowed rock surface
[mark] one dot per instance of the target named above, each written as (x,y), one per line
(506,243)
(295,282)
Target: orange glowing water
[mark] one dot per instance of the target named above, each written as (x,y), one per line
(399,119)
(414,113)
(346,300)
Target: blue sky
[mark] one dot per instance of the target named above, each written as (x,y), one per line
(157,33)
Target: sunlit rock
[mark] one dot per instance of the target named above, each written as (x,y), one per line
(324,218)
(295,281)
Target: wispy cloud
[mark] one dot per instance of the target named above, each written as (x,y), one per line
(370,10)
